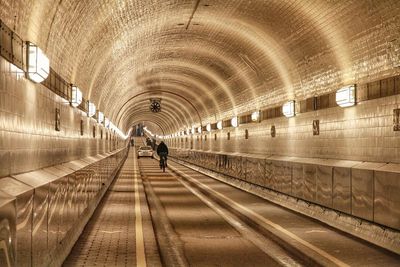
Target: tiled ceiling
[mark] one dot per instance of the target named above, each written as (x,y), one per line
(205,59)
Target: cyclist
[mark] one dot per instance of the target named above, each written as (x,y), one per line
(132,141)
(162,152)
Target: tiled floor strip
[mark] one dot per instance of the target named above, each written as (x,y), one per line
(120,232)
(140,253)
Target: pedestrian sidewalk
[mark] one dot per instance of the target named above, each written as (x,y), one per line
(120,233)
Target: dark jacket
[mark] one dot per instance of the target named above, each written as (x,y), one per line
(162,148)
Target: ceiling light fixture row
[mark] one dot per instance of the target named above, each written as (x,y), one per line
(38,69)
(345,97)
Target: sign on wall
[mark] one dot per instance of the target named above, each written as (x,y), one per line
(396,119)
(315,126)
(81,127)
(57,120)
(273,131)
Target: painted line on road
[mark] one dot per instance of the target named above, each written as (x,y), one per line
(140,253)
(266,221)
(268,247)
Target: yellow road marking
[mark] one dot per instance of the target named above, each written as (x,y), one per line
(140,254)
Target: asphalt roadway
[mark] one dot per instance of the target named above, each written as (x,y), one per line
(199,221)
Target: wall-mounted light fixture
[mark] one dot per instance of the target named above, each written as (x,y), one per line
(76,96)
(346,96)
(92,109)
(288,109)
(107,122)
(100,117)
(199,129)
(208,127)
(38,63)
(255,116)
(193,130)
(235,122)
(219,125)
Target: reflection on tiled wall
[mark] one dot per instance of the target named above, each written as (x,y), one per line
(363,132)
(28,138)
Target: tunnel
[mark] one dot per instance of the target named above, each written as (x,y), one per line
(199,133)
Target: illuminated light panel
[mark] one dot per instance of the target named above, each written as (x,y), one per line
(100,117)
(219,125)
(235,122)
(346,96)
(92,109)
(107,122)
(255,116)
(199,129)
(208,127)
(38,64)
(76,97)
(193,130)
(288,109)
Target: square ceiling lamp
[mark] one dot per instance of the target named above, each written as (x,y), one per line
(38,64)
(346,96)
(288,109)
(76,96)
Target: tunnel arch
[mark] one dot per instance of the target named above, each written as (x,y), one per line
(154,94)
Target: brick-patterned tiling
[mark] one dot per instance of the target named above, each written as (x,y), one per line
(109,238)
(235,56)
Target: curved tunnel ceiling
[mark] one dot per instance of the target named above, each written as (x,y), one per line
(221,57)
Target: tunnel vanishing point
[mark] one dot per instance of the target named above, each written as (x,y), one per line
(289,102)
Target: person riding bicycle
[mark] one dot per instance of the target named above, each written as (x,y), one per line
(162,152)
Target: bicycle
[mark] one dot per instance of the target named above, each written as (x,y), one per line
(163,162)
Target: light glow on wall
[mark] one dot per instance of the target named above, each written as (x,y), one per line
(219,125)
(107,122)
(193,130)
(38,64)
(17,71)
(288,109)
(76,97)
(199,129)
(92,109)
(255,116)
(346,96)
(208,127)
(235,122)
